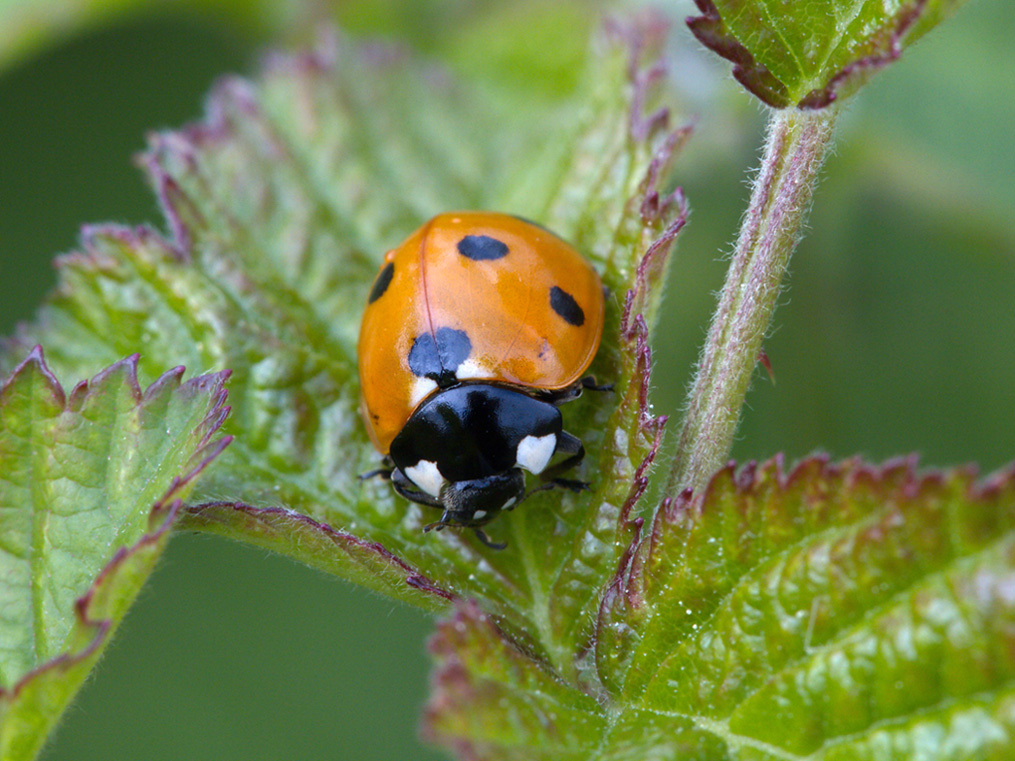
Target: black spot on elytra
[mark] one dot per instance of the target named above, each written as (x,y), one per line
(382,282)
(563,303)
(481,248)
(438,356)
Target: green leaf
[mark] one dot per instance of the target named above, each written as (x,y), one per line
(811,54)
(492,700)
(280,206)
(90,483)
(834,612)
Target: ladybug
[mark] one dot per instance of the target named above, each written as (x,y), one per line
(476,329)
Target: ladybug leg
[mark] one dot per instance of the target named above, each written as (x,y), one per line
(569,445)
(384,472)
(564,395)
(481,535)
(589,383)
(408,489)
(438,525)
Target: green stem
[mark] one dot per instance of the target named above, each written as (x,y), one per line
(796,147)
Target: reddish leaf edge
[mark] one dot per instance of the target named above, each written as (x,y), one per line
(233,94)
(711,31)
(164,512)
(902,474)
(634,332)
(658,215)
(90,254)
(904,21)
(644,33)
(275,518)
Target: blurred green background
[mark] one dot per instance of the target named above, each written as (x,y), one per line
(897,333)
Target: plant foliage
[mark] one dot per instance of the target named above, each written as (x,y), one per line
(92,481)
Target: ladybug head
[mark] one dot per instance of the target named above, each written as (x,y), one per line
(477,502)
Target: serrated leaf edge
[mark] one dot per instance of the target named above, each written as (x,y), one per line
(664,215)
(166,508)
(825,96)
(626,594)
(411,576)
(711,31)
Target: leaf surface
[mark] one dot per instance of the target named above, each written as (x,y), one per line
(832,612)
(90,483)
(280,205)
(811,54)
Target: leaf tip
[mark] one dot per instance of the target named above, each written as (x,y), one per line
(712,32)
(853,74)
(35,362)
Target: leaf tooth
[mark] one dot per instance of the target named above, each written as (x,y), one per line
(712,32)
(35,362)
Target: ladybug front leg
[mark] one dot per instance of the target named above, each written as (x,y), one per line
(589,384)
(383,472)
(411,492)
(402,485)
(569,445)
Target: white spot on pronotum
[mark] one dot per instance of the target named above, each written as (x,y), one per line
(534,452)
(509,504)
(421,389)
(471,369)
(479,514)
(426,476)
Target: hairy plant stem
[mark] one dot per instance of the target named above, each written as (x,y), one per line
(795,150)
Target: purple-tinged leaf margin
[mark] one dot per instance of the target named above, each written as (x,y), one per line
(320,546)
(818,66)
(34,702)
(850,77)
(712,32)
(828,611)
(651,220)
(491,699)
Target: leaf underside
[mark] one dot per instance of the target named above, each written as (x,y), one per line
(91,482)
(834,612)
(811,54)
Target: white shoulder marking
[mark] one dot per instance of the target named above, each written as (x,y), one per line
(534,452)
(471,369)
(421,389)
(426,476)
